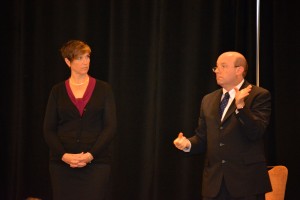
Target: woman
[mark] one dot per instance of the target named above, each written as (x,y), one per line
(79,127)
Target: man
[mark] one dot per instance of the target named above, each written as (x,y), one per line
(235,165)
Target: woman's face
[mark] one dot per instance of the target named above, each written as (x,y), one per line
(80,65)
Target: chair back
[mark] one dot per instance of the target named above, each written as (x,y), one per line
(278,176)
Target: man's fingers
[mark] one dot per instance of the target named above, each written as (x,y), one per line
(180,141)
(180,135)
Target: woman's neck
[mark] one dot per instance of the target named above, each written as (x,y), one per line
(78,80)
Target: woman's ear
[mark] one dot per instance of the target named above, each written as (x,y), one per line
(68,62)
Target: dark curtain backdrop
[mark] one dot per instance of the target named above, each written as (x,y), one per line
(157,55)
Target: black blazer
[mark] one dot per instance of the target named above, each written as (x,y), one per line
(66,131)
(234,147)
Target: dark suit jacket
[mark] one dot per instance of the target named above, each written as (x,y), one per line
(234,147)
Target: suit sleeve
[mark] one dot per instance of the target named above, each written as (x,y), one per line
(198,141)
(254,117)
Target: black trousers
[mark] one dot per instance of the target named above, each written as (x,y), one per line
(224,195)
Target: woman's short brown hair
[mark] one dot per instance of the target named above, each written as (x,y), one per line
(74,48)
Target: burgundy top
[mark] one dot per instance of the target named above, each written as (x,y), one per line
(80,103)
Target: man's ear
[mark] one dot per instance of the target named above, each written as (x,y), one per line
(68,62)
(240,69)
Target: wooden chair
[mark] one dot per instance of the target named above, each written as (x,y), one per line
(278,176)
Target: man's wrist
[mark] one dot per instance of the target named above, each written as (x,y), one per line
(237,110)
(240,106)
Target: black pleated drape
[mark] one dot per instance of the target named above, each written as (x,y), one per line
(157,55)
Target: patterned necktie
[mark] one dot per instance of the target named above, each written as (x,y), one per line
(223,103)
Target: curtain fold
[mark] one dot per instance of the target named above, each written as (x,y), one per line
(157,55)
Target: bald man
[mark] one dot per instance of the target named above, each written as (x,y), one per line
(232,136)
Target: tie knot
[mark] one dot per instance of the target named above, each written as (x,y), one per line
(226,95)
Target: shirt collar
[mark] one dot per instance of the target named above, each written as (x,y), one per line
(232,91)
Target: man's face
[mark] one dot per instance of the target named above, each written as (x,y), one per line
(226,71)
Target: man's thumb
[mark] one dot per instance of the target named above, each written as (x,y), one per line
(180,135)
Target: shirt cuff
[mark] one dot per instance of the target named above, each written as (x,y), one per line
(187,149)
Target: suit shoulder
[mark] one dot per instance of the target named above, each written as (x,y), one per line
(213,94)
(261,90)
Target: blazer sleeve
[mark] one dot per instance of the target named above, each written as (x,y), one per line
(50,126)
(109,123)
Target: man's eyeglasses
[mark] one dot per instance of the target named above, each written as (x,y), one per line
(221,68)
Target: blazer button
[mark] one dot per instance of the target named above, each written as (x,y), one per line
(77,140)
(222,144)
(223,161)
(221,127)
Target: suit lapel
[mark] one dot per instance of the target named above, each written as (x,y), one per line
(230,110)
(232,107)
(216,106)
